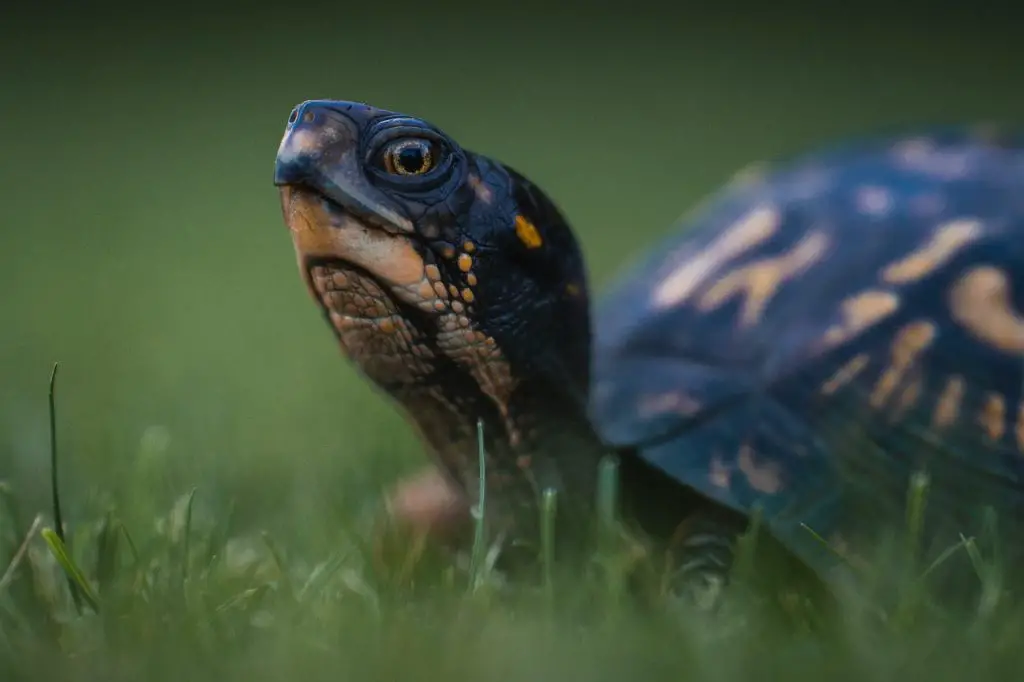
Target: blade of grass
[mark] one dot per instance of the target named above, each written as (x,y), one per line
(607,500)
(746,547)
(186,538)
(549,510)
(912,594)
(19,555)
(478,511)
(71,569)
(612,562)
(58,518)
(132,547)
(107,546)
(279,563)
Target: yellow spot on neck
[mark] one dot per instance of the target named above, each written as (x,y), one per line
(465,262)
(527,233)
(467,295)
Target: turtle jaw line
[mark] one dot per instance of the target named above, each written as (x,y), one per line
(339,205)
(349,269)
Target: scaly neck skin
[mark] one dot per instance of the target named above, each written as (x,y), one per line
(545,442)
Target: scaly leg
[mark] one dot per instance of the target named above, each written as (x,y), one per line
(703,551)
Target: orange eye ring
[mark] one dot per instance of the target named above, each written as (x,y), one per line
(408,157)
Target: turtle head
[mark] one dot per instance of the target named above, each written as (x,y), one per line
(452,281)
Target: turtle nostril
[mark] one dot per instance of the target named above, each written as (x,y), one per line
(294,116)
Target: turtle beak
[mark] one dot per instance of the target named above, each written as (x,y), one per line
(320,153)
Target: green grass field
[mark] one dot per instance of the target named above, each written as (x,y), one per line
(142,247)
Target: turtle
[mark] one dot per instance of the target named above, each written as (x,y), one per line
(802,346)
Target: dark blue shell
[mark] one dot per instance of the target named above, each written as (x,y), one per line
(814,334)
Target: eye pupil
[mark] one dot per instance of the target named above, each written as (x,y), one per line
(412,158)
(409,157)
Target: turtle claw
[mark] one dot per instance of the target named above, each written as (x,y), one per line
(704,549)
(705,594)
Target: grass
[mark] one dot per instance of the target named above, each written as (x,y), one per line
(189,596)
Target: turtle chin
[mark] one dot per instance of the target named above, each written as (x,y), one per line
(370,284)
(373,327)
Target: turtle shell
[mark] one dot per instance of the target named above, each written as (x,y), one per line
(817,332)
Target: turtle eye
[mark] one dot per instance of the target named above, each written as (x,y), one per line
(410,156)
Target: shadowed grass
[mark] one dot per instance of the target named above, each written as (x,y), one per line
(189,597)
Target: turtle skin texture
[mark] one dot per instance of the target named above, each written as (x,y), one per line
(800,345)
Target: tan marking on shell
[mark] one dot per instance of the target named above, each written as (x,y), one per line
(947,409)
(980,301)
(1019,429)
(946,241)
(874,201)
(761,477)
(860,312)
(924,156)
(908,396)
(992,417)
(910,341)
(845,374)
(658,404)
(753,229)
(718,473)
(760,280)
(914,149)
(750,174)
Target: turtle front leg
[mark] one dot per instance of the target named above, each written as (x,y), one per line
(701,555)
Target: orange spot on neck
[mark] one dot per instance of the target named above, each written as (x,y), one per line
(527,233)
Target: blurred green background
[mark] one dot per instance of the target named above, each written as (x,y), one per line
(142,244)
